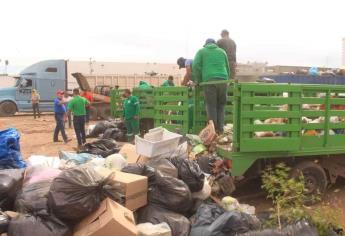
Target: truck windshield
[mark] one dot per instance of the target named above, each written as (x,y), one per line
(16,82)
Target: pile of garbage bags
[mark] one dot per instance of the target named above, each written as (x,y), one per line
(111,129)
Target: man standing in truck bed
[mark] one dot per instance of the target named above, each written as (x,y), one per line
(229,46)
(210,67)
(78,107)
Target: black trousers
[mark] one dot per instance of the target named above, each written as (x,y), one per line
(36,109)
(79,129)
(60,127)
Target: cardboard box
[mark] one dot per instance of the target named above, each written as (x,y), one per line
(110,219)
(129,153)
(134,186)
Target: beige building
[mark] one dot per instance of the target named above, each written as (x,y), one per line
(6,81)
(124,74)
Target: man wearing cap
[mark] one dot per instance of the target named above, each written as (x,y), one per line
(185,63)
(169,82)
(229,46)
(211,69)
(60,115)
(78,107)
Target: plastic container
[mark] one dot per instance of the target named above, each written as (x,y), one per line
(154,135)
(165,142)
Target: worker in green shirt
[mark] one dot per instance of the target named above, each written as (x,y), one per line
(131,114)
(211,67)
(169,82)
(77,106)
(144,85)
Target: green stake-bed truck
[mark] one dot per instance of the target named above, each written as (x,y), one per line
(320,157)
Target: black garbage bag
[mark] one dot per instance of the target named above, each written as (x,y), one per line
(37,226)
(121,125)
(11,181)
(179,225)
(170,193)
(230,223)
(116,134)
(100,128)
(4,222)
(190,172)
(141,169)
(205,163)
(102,147)
(207,213)
(33,198)
(78,191)
(164,166)
(300,228)
(213,220)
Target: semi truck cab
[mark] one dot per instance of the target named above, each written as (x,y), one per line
(46,77)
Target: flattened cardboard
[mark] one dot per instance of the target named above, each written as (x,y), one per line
(135,188)
(110,219)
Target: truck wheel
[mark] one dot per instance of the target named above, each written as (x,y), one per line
(93,113)
(315,178)
(7,109)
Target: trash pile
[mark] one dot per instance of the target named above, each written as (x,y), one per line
(112,129)
(124,193)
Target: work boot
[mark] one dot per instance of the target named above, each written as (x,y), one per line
(68,140)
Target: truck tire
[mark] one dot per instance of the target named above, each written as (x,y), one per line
(7,108)
(315,178)
(93,113)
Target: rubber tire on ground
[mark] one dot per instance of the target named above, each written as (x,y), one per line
(105,113)
(93,113)
(7,109)
(313,174)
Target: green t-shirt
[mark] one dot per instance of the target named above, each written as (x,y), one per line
(77,106)
(131,107)
(167,83)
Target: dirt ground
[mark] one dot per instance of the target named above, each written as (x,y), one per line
(37,135)
(37,139)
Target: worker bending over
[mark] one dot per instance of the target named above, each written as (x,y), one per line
(185,63)
(131,114)
(210,66)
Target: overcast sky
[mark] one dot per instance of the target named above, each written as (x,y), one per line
(287,32)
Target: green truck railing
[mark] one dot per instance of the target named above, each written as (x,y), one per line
(116,103)
(172,108)
(146,99)
(290,139)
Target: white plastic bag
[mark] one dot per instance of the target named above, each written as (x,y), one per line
(115,162)
(38,160)
(149,229)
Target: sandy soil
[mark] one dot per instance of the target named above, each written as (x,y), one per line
(37,135)
(37,138)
